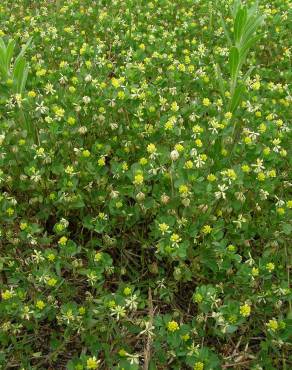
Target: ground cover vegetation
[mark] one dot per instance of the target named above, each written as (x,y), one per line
(146,191)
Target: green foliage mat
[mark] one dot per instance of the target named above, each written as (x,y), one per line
(146,190)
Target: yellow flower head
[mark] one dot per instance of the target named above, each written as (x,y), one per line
(262,128)
(172,326)
(138,179)
(98,256)
(174,107)
(86,153)
(231,174)
(183,190)
(127,291)
(52,282)
(179,147)
(71,120)
(245,310)
(211,177)
(175,238)
(199,143)
(31,94)
(23,226)
(122,352)
(261,176)
(207,229)
(92,363)
(101,161)
(206,102)
(255,271)
(185,337)
(151,148)
(40,304)
(199,366)
(189,164)
(7,294)
(273,325)
(163,227)
(198,298)
(228,115)
(245,168)
(63,240)
(270,266)
(116,82)
(51,257)
(272,173)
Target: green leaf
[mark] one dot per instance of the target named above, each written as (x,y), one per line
(253,9)
(19,73)
(220,80)
(245,48)
(239,24)
(237,96)
(9,53)
(287,229)
(23,80)
(233,62)
(23,50)
(235,7)
(225,30)
(2,44)
(251,26)
(3,68)
(248,73)
(58,268)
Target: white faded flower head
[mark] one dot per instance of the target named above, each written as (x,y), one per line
(174,155)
